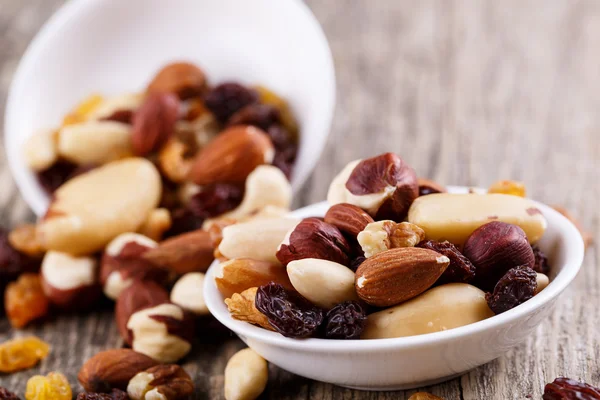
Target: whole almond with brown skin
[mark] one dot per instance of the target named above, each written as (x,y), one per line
(232,156)
(112,369)
(154,122)
(189,252)
(240,274)
(184,79)
(140,295)
(348,218)
(394,276)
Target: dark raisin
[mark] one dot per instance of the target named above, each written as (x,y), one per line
(214,200)
(260,115)
(345,321)
(541,261)
(286,148)
(569,389)
(227,98)
(116,394)
(124,116)
(6,395)
(515,287)
(460,268)
(13,263)
(54,176)
(355,263)
(183,220)
(288,312)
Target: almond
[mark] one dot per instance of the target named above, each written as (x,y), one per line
(394,276)
(348,218)
(112,369)
(232,156)
(189,252)
(243,273)
(154,122)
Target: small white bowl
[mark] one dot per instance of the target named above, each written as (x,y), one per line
(416,361)
(116,46)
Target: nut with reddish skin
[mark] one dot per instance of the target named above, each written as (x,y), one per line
(70,282)
(162,382)
(163,332)
(570,389)
(154,122)
(189,252)
(232,156)
(394,276)
(313,238)
(123,263)
(112,369)
(181,78)
(138,296)
(460,268)
(427,186)
(348,218)
(494,248)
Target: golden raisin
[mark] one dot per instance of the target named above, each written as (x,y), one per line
(25,300)
(22,353)
(513,188)
(267,96)
(53,386)
(83,109)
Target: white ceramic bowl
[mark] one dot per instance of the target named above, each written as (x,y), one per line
(408,362)
(115,46)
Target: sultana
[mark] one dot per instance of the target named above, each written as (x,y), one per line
(22,353)
(53,386)
(25,300)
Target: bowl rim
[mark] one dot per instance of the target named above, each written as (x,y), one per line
(575,255)
(34,196)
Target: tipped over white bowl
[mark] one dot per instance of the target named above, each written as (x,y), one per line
(114,46)
(415,361)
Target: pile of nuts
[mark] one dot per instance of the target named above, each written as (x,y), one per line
(141,186)
(393,256)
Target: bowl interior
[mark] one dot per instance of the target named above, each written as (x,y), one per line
(561,241)
(114,46)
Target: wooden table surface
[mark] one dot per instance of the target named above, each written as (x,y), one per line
(467,92)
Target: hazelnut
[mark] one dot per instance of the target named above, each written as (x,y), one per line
(237,275)
(162,382)
(246,375)
(68,281)
(494,248)
(182,78)
(138,296)
(348,218)
(188,252)
(122,263)
(188,293)
(384,235)
(384,186)
(163,332)
(112,369)
(427,186)
(313,238)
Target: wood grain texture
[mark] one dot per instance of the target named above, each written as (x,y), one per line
(467,92)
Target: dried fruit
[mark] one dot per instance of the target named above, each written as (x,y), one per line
(242,306)
(53,177)
(246,376)
(6,395)
(267,96)
(424,396)
(397,275)
(512,188)
(53,386)
(260,115)
(182,78)
(384,235)
(12,262)
(541,261)
(232,156)
(214,200)
(427,186)
(239,274)
(460,268)
(22,353)
(83,110)
(286,148)
(570,389)
(516,287)
(288,312)
(494,248)
(356,262)
(154,122)
(227,98)
(162,382)
(115,394)
(25,301)
(112,369)
(348,218)
(313,238)
(346,320)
